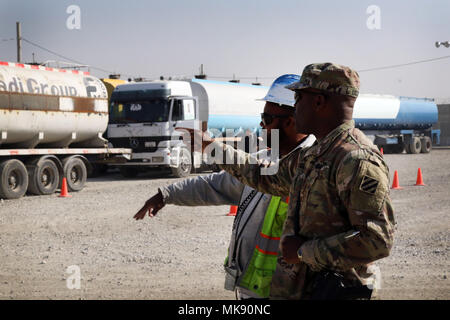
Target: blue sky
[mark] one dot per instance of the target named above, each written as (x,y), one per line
(248,38)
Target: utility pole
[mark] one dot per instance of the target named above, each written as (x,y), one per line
(19,42)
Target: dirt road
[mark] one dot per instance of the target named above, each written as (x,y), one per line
(179,254)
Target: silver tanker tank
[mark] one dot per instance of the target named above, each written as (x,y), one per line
(46,107)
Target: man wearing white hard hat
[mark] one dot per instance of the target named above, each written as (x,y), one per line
(253,251)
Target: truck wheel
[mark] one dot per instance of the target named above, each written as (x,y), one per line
(129,172)
(407,148)
(43,177)
(426,144)
(415,145)
(185,165)
(13,179)
(75,172)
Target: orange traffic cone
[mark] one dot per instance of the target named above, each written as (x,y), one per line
(233,211)
(419,181)
(395,183)
(64,193)
(381,151)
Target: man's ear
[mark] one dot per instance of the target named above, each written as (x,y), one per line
(290,121)
(320,103)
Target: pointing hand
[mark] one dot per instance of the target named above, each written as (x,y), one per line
(152,206)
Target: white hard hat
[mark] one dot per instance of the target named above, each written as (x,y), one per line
(278,93)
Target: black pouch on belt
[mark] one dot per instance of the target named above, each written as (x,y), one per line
(329,285)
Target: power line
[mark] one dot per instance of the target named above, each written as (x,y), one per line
(228,77)
(66,58)
(50,51)
(403,64)
(7,39)
(231,77)
(363,70)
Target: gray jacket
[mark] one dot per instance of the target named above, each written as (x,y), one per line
(223,189)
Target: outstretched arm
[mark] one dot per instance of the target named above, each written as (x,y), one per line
(214,189)
(268,177)
(210,190)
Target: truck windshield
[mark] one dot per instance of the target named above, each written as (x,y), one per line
(139,111)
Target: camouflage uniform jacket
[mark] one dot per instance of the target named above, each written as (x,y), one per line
(339,202)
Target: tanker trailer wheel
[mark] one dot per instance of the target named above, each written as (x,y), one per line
(184,166)
(43,177)
(407,148)
(415,145)
(75,172)
(426,144)
(13,179)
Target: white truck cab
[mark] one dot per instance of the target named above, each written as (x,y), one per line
(144,116)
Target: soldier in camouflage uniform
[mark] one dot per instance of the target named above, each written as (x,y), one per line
(340,217)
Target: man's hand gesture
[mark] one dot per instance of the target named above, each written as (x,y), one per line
(152,206)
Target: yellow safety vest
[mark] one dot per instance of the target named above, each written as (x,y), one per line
(258,275)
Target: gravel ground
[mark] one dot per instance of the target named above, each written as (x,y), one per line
(179,253)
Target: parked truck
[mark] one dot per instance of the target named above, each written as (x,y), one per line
(143,116)
(51,126)
(397,124)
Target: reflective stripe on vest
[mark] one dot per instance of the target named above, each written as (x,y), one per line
(258,275)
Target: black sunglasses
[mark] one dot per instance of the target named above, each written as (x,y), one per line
(268,118)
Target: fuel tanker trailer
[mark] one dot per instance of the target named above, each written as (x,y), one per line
(51,126)
(396,123)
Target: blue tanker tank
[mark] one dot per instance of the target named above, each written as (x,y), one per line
(394,123)
(378,112)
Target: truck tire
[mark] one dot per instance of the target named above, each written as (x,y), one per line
(407,148)
(75,172)
(415,145)
(129,172)
(13,179)
(43,177)
(426,144)
(185,165)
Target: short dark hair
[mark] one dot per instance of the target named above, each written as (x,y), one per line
(287,108)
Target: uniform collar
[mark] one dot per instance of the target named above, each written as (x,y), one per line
(322,145)
(308,141)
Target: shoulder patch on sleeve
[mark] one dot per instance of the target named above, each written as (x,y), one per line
(370,188)
(369,184)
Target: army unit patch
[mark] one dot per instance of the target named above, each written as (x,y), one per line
(369,185)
